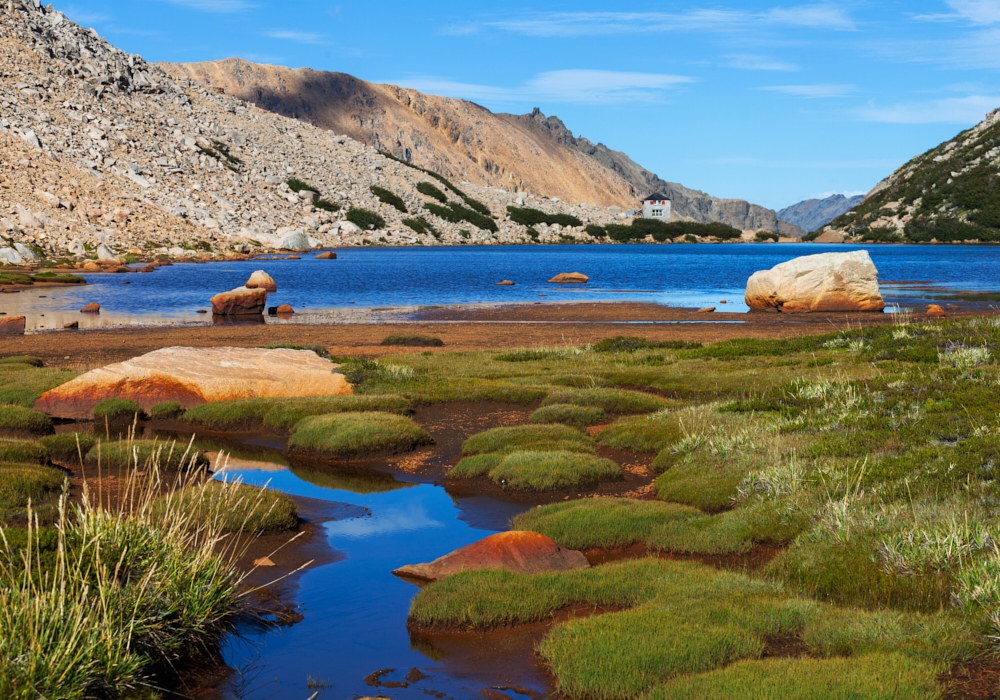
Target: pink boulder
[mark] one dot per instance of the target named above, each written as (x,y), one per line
(519,551)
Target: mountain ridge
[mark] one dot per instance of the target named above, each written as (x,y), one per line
(811,214)
(465,141)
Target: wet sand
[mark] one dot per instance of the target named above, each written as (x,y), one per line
(461,329)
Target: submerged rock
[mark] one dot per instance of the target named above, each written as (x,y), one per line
(505,283)
(239,301)
(570,278)
(261,280)
(519,551)
(193,376)
(823,282)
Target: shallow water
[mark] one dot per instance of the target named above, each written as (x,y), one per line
(366,284)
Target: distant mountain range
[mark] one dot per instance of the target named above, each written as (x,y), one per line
(814,213)
(950,193)
(530,153)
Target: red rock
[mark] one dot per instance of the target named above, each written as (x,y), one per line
(12,325)
(935,310)
(71,324)
(570,278)
(148,268)
(91,308)
(519,551)
(706,310)
(239,301)
(285,309)
(261,280)
(193,376)
(505,283)
(294,257)
(263,561)
(328,255)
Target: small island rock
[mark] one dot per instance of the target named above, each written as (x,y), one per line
(823,282)
(505,283)
(570,278)
(261,280)
(519,551)
(327,255)
(91,308)
(239,301)
(285,309)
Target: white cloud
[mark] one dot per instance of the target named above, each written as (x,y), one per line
(951,110)
(977,11)
(551,24)
(296,36)
(752,62)
(222,6)
(812,91)
(578,86)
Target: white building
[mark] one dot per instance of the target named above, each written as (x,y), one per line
(656,206)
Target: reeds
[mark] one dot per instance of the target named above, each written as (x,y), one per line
(121,589)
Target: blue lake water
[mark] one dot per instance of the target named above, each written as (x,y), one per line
(375,278)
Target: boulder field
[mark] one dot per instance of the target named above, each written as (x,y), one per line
(192,376)
(823,282)
(519,551)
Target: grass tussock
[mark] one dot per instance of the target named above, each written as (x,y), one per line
(539,471)
(69,448)
(650,433)
(248,509)
(168,455)
(614,401)
(353,435)
(413,341)
(567,414)
(21,484)
(537,438)
(281,415)
(19,421)
(24,451)
(118,409)
(165,410)
(23,383)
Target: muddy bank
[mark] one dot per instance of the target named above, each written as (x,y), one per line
(516,326)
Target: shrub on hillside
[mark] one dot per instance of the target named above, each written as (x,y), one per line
(527,216)
(365,219)
(432,191)
(390,198)
(296,185)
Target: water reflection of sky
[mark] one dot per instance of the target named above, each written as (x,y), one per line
(355,609)
(363,280)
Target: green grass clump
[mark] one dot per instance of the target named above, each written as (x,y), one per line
(24,451)
(350,435)
(432,191)
(248,508)
(281,415)
(539,471)
(22,383)
(605,523)
(118,409)
(365,219)
(416,341)
(18,420)
(21,483)
(701,479)
(390,198)
(873,677)
(567,414)
(128,454)
(165,410)
(63,447)
(21,360)
(525,355)
(536,438)
(631,344)
(650,433)
(617,401)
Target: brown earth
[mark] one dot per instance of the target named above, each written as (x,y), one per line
(543,325)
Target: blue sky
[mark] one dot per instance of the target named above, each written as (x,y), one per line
(766,101)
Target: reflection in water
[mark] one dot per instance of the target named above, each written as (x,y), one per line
(355,610)
(355,478)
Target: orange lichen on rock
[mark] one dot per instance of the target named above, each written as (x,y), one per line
(519,551)
(192,376)
(239,301)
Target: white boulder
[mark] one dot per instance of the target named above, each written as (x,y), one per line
(823,282)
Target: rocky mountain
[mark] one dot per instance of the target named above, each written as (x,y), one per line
(810,214)
(103,152)
(949,193)
(464,141)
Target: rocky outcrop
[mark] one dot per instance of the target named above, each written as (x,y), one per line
(239,302)
(519,551)
(192,376)
(824,282)
(261,280)
(570,278)
(12,325)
